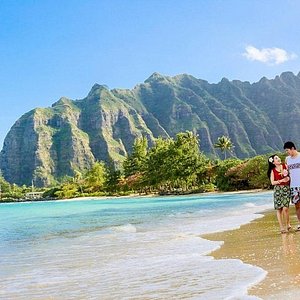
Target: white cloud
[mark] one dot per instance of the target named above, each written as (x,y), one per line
(273,56)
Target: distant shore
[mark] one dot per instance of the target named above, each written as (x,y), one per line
(136,195)
(158,195)
(260,243)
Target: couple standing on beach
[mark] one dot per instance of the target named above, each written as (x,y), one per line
(286,181)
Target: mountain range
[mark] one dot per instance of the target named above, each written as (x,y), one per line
(48,143)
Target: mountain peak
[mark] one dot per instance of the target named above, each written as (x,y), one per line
(184,76)
(62,101)
(263,80)
(224,80)
(97,88)
(155,77)
(287,75)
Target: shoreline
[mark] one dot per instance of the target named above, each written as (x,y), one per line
(259,243)
(136,196)
(158,195)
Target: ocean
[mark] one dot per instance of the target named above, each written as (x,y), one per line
(125,248)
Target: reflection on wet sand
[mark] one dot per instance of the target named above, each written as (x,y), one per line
(288,244)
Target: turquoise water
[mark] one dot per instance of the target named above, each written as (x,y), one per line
(129,248)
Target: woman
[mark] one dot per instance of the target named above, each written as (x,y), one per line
(278,175)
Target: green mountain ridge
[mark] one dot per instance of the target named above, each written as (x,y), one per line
(49,143)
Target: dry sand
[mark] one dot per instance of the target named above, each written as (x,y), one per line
(260,243)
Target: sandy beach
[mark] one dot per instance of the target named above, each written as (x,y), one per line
(260,243)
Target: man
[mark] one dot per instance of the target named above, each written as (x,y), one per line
(293,164)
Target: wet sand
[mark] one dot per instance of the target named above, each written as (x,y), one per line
(260,243)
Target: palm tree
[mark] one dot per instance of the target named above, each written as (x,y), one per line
(224,144)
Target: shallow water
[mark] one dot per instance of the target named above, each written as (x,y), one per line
(130,248)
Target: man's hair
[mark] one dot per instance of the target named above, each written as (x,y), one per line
(289,145)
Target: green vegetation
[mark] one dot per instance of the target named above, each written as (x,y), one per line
(170,166)
(12,192)
(224,144)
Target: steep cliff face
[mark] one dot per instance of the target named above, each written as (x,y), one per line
(49,143)
(185,103)
(18,158)
(46,144)
(111,123)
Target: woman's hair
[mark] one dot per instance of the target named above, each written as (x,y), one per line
(271,164)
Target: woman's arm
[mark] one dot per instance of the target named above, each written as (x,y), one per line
(285,179)
(274,182)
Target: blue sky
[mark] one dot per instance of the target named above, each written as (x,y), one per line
(50,49)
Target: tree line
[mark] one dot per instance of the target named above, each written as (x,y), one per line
(170,166)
